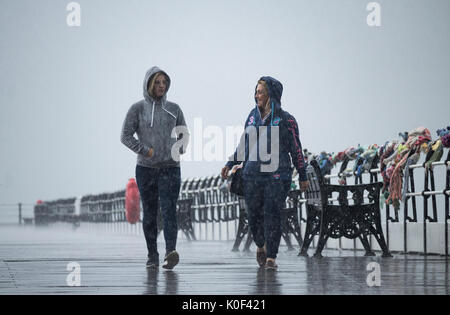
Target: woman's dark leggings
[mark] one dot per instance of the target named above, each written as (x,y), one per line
(264,199)
(164,185)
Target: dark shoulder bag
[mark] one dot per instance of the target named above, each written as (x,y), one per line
(237,183)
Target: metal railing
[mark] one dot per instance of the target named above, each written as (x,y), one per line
(215,213)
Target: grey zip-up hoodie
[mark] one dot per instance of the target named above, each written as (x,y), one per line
(153,121)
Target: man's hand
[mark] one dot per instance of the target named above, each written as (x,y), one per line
(304,185)
(150,153)
(224,172)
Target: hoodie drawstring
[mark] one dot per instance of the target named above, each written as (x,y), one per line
(271,115)
(153,112)
(162,105)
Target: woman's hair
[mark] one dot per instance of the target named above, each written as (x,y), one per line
(263,83)
(151,82)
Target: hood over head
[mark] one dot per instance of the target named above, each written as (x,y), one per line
(275,89)
(148,76)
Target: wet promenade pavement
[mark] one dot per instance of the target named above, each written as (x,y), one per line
(34,261)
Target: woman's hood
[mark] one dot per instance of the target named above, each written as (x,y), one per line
(148,76)
(275,89)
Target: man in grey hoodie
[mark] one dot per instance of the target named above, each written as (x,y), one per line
(160,128)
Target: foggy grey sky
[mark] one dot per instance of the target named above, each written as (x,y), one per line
(64,91)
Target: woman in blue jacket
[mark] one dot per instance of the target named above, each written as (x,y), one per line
(267,180)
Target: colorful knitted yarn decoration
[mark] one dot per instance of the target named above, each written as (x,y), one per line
(387,153)
(325,163)
(413,159)
(435,152)
(404,135)
(416,139)
(337,157)
(349,154)
(352,152)
(359,160)
(308,156)
(341,157)
(444,134)
(364,160)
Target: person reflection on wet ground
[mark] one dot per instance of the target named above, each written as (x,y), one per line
(170,279)
(267,283)
(152,282)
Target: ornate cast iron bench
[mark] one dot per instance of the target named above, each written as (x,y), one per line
(357,219)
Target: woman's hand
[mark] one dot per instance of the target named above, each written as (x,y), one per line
(224,172)
(150,153)
(304,185)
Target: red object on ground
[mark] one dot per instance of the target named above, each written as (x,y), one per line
(39,202)
(132,202)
